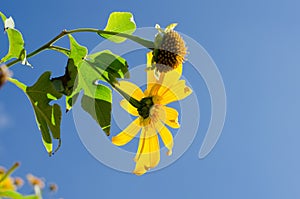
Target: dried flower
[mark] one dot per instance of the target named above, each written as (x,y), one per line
(170,49)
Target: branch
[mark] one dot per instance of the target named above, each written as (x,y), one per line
(146,43)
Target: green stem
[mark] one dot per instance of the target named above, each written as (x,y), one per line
(16,165)
(146,43)
(60,49)
(134,102)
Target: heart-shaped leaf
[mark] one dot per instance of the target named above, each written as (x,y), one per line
(48,117)
(120,22)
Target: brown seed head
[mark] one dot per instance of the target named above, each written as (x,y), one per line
(171,52)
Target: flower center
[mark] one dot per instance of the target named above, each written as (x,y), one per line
(146,105)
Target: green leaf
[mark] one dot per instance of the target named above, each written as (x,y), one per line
(16,43)
(48,117)
(120,22)
(111,63)
(11,194)
(78,52)
(71,100)
(99,106)
(86,76)
(65,84)
(97,98)
(16,195)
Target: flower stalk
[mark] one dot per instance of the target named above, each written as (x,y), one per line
(10,171)
(49,45)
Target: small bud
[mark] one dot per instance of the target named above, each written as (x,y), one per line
(2,170)
(4,75)
(53,187)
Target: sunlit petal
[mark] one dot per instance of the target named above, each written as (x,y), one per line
(131,89)
(166,136)
(128,134)
(165,79)
(177,92)
(148,154)
(169,78)
(129,108)
(169,116)
(150,72)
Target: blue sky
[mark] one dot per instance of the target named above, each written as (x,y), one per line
(255,44)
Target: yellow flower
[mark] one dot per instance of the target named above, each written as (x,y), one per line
(152,116)
(8,183)
(35,181)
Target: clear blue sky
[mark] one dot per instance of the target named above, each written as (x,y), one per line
(256,47)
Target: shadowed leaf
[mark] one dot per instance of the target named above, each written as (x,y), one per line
(48,117)
(99,106)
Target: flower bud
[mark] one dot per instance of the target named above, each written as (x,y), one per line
(4,75)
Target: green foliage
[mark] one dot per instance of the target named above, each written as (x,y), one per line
(83,72)
(77,52)
(16,43)
(97,98)
(120,22)
(99,106)
(48,117)
(110,65)
(16,195)
(65,83)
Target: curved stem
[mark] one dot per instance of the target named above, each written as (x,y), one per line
(60,49)
(146,43)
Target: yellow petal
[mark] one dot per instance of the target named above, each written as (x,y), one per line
(7,184)
(177,92)
(150,72)
(166,79)
(131,89)
(166,136)
(128,107)
(148,154)
(128,134)
(169,116)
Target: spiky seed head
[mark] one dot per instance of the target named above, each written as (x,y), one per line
(170,53)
